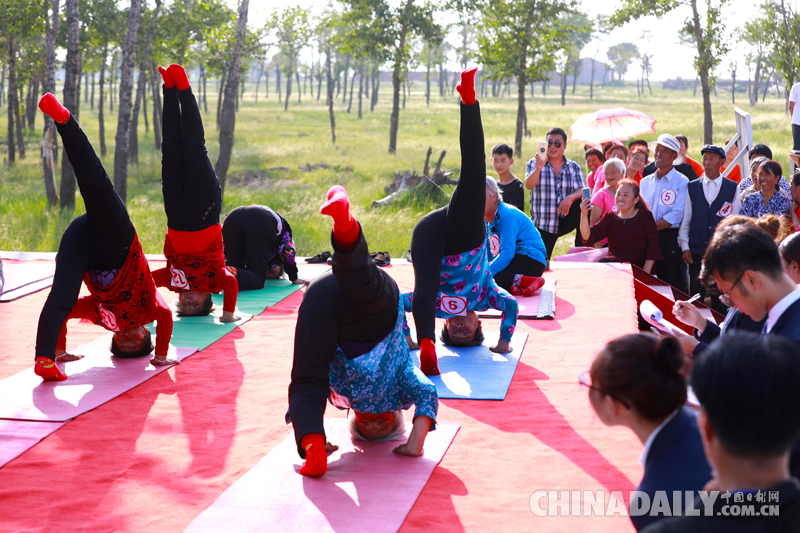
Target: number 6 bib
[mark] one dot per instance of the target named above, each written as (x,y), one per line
(455,305)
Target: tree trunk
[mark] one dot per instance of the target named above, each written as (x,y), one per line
(49,141)
(141,87)
(72,71)
(521,115)
(154,87)
(564,87)
(346,68)
(124,100)
(440,80)
(100,101)
(113,77)
(376,83)
(708,119)
(258,82)
(398,65)
(91,99)
(591,81)
(330,94)
(13,101)
(766,85)
(144,102)
(288,84)
(694,91)
(227,120)
(297,79)
(205,87)
(12,96)
(360,86)
(428,82)
(222,82)
(733,88)
(352,86)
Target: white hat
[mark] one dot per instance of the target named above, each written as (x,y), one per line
(668,141)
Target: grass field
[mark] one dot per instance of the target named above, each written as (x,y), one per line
(269,137)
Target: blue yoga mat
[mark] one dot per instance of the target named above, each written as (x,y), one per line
(476,373)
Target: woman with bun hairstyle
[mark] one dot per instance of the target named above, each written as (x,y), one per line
(636,381)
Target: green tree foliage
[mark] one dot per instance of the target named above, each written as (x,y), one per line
(620,56)
(520,39)
(292,29)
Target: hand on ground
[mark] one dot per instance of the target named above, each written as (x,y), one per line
(408,449)
(330,448)
(411,344)
(502,347)
(227,316)
(301,282)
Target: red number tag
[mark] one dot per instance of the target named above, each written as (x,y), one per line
(454,305)
(725,210)
(668,197)
(178,278)
(108,318)
(494,243)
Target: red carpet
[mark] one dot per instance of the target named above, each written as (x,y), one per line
(155,457)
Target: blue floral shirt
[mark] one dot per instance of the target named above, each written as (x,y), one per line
(383,379)
(753,205)
(466,284)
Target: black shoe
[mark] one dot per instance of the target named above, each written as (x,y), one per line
(319,258)
(381,258)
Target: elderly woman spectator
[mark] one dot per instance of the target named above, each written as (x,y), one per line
(748,185)
(631,230)
(768,199)
(603,200)
(594,162)
(636,163)
(516,249)
(795,209)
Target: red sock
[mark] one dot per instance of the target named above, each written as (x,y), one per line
(530,285)
(345,226)
(50,105)
(316,456)
(169,83)
(46,369)
(178,75)
(428,362)
(467,86)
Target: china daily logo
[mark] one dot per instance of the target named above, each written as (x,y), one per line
(663,503)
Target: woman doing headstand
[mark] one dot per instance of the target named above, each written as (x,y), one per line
(349,349)
(101,249)
(192,200)
(450,256)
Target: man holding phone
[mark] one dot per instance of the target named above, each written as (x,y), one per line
(556,185)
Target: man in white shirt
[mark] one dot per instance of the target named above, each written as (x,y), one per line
(665,194)
(709,200)
(794,95)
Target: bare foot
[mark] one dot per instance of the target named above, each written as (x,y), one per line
(502,347)
(406,449)
(163,362)
(65,357)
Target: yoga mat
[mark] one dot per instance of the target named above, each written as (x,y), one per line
(476,373)
(540,306)
(93,380)
(584,254)
(25,278)
(199,332)
(275,290)
(18,436)
(366,488)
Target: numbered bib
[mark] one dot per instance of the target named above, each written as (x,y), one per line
(725,210)
(494,244)
(454,305)
(178,278)
(668,197)
(108,318)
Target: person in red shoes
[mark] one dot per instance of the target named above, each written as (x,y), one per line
(449,246)
(102,250)
(192,200)
(350,349)
(516,250)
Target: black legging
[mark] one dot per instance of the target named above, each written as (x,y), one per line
(453,229)
(357,303)
(192,194)
(249,234)
(99,240)
(521,264)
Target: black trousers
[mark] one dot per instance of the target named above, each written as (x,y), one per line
(356,302)
(671,269)
(796,136)
(192,194)
(99,239)
(696,287)
(455,228)
(249,233)
(566,224)
(521,264)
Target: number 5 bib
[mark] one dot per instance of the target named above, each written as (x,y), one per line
(668,197)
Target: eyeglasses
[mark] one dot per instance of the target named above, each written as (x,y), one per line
(723,297)
(556,143)
(585,380)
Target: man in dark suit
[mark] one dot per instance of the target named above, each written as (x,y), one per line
(749,418)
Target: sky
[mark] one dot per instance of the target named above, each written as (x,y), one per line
(657,37)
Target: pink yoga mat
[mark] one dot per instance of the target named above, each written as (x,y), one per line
(367,488)
(18,436)
(25,278)
(584,254)
(94,380)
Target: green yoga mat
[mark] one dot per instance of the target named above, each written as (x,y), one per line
(254,302)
